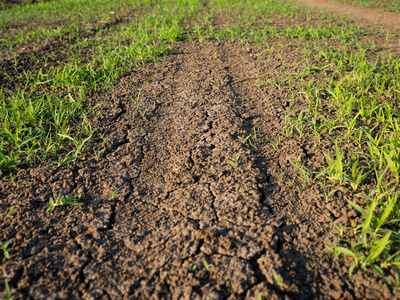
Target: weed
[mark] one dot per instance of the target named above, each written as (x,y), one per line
(8,292)
(61,201)
(278,279)
(340,228)
(249,140)
(113,193)
(212,170)
(234,163)
(12,178)
(9,212)
(97,154)
(4,246)
(207,265)
(327,192)
(293,217)
(335,170)
(244,140)
(136,101)
(277,142)
(313,265)
(304,172)
(79,145)
(192,269)
(357,175)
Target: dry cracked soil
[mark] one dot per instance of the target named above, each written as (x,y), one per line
(178,204)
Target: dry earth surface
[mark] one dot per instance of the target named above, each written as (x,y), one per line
(176,206)
(370,15)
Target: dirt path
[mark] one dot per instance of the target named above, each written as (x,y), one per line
(388,20)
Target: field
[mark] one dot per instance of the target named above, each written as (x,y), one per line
(193,149)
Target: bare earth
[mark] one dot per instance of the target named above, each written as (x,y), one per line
(388,20)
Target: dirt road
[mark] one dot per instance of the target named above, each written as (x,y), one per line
(373,16)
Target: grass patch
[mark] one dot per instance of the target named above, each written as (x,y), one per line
(39,125)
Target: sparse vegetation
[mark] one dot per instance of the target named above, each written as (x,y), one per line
(3,247)
(337,90)
(61,201)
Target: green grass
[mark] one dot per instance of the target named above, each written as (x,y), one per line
(69,10)
(349,81)
(36,126)
(356,104)
(54,19)
(39,125)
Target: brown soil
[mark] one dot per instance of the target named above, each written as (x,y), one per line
(5,4)
(388,20)
(163,200)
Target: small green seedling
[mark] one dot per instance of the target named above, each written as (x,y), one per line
(304,172)
(4,248)
(12,178)
(244,140)
(97,154)
(278,279)
(251,137)
(137,99)
(277,142)
(357,175)
(234,163)
(293,217)
(340,228)
(192,269)
(207,265)
(59,201)
(79,145)
(212,170)
(64,160)
(113,193)
(8,292)
(9,212)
